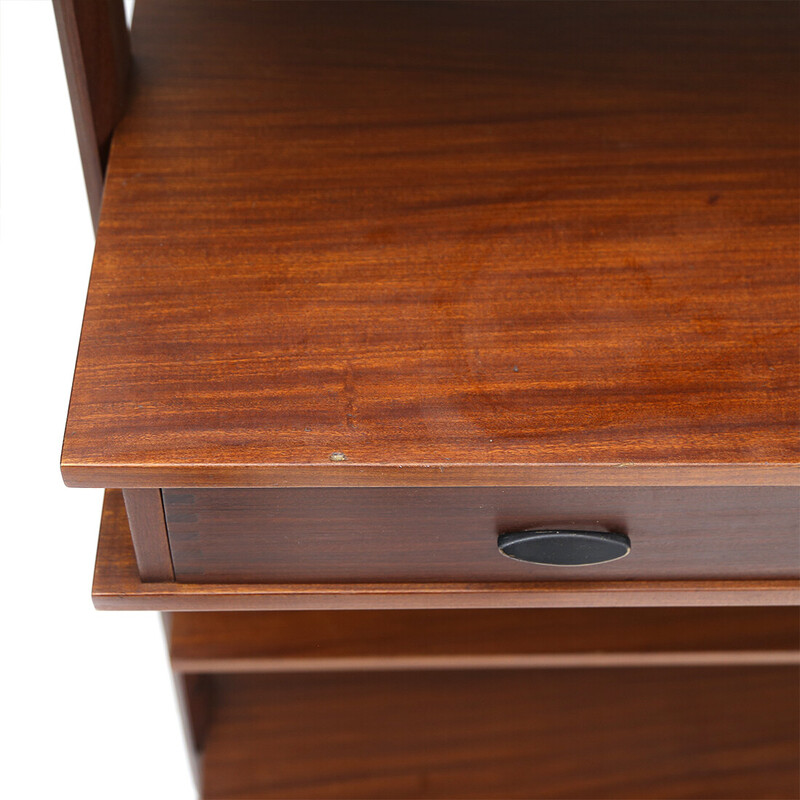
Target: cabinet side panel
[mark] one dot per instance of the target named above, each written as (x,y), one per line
(96,50)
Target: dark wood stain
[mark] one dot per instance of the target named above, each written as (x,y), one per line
(465,243)
(445,534)
(572,734)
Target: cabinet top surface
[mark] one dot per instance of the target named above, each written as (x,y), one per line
(446,242)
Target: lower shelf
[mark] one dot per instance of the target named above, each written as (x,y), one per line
(700,732)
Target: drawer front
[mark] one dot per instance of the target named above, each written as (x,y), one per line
(450,534)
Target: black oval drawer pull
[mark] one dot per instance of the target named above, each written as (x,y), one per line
(563,547)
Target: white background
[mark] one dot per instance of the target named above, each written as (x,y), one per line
(88,709)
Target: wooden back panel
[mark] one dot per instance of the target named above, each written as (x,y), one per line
(567,733)
(96,49)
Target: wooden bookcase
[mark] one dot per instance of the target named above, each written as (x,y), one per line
(376,283)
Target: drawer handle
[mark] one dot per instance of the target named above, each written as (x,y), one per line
(564,546)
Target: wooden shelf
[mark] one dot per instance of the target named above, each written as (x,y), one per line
(502,244)
(649,733)
(481,639)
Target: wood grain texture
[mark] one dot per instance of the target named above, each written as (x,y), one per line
(145,511)
(308,641)
(117,585)
(96,51)
(444,534)
(456,243)
(614,734)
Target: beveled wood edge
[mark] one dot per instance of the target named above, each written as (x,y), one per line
(264,597)
(206,666)
(178,476)
(117,585)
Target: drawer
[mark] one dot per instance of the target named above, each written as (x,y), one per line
(451,534)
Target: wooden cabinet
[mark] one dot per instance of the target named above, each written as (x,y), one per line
(376,283)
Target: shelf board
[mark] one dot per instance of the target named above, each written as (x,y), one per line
(292,641)
(446,244)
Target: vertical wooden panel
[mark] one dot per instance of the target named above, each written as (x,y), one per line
(194,701)
(149,533)
(96,50)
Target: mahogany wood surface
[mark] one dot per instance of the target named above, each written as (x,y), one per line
(145,510)
(450,534)
(96,50)
(117,584)
(625,733)
(432,243)
(309,641)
